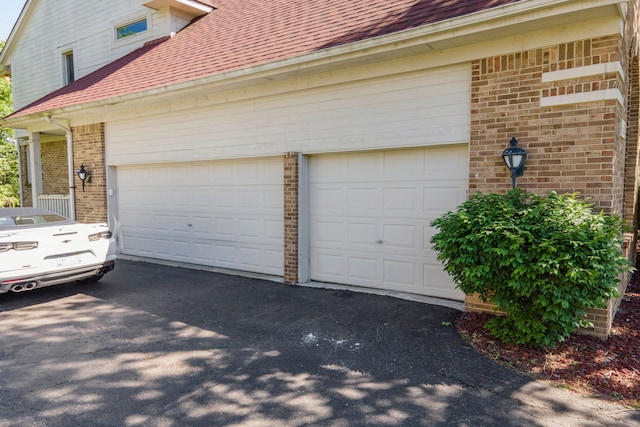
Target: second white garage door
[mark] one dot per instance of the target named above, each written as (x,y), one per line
(370,214)
(225,214)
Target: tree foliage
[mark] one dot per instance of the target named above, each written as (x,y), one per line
(541,260)
(9,181)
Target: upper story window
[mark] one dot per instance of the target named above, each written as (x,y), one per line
(131,28)
(68,68)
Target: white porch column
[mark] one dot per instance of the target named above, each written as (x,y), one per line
(35,166)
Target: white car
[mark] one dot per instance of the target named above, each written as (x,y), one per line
(39,248)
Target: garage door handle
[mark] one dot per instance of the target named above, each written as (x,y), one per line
(379,241)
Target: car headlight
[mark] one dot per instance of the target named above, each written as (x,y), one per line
(17,246)
(101,235)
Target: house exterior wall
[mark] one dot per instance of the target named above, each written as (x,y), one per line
(36,58)
(567,105)
(88,150)
(572,147)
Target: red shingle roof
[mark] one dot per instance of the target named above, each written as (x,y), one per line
(244,33)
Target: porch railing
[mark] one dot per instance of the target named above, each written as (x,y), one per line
(58,203)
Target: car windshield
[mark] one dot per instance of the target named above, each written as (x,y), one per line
(18,220)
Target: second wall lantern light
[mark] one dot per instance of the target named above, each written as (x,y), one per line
(514,158)
(84,175)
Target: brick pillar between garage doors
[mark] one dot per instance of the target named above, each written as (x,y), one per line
(291,188)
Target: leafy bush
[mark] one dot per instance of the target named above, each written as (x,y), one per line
(541,260)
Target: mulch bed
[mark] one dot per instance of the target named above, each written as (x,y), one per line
(584,364)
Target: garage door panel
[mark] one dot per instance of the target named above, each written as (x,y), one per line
(442,165)
(401,198)
(201,251)
(226,255)
(363,269)
(140,244)
(437,201)
(273,170)
(223,198)
(249,228)
(360,233)
(370,216)
(165,246)
(401,236)
(273,199)
(402,164)
(440,279)
(224,173)
(329,232)
(362,198)
(400,273)
(248,199)
(328,265)
(249,257)
(223,214)
(202,225)
(326,198)
(182,249)
(273,259)
(362,165)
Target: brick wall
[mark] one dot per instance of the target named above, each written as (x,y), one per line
(291,168)
(54,167)
(572,147)
(632,166)
(575,142)
(88,150)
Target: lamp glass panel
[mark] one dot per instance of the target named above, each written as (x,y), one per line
(517,160)
(507,160)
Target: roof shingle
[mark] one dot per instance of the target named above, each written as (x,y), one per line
(244,33)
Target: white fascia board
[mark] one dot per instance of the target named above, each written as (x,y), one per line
(425,38)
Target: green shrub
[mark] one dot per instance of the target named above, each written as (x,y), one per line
(541,260)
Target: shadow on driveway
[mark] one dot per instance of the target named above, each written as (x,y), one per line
(152,345)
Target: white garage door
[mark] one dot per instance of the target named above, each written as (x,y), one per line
(370,215)
(225,214)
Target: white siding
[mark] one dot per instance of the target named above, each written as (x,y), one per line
(428,107)
(84,26)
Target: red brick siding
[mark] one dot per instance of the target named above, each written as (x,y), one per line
(632,166)
(88,150)
(55,178)
(291,168)
(571,147)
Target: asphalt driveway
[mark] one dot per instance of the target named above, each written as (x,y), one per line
(154,345)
